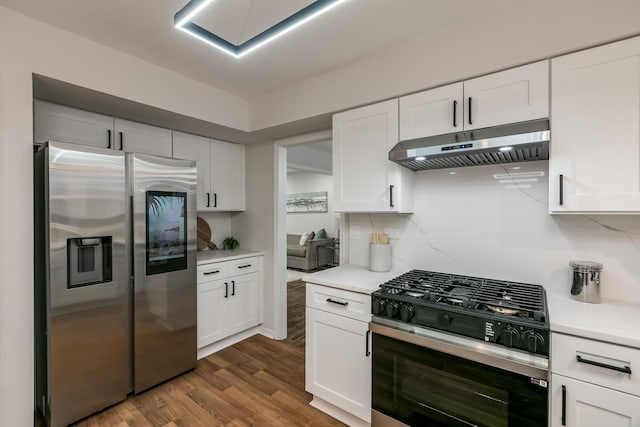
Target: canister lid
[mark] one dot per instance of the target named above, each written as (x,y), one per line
(586,265)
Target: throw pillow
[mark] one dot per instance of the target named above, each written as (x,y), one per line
(303,239)
(321,234)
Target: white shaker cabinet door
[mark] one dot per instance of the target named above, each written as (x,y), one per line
(243,302)
(212,311)
(432,112)
(196,148)
(365,180)
(588,405)
(65,124)
(227,176)
(594,164)
(140,138)
(338,365)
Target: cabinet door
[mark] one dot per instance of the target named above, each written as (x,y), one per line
(243,302)
(588,405)
(432,112)
(192,147)
(140,138)
(212,311)
(594,163)
(510,96)
(338,365)
(227,176)
(59,123)
(365,180)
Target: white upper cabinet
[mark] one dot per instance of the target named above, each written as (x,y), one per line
(60,123)
(364,179)
(221,171)
(140,138)
(594,164)
(510,96)
(65,124)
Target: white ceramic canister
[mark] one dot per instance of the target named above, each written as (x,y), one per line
(379,257)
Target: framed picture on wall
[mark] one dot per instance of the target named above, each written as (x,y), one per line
(307,202)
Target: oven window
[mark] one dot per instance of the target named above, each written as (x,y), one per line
(166,231)
(419,386)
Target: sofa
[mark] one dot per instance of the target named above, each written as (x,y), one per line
(313,254)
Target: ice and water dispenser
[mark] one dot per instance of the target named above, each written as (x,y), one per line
(89,261)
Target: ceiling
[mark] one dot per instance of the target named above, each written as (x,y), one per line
(348,33)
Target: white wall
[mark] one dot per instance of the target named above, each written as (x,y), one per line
(26,47)
(304,182)
(471,223)
(220,224)
(463,49)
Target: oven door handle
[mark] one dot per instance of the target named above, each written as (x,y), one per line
(530,365)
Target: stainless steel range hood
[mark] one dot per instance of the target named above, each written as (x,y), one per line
(517,142)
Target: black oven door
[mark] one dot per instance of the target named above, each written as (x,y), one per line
(421,386)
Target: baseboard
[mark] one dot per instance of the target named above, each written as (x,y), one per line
(338,413)
(226,342)
(267,332)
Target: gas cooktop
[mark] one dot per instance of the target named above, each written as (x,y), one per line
(511,314)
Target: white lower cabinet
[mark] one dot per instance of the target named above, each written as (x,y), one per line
(589,405)
(592,383)
(338,360)
(228,299)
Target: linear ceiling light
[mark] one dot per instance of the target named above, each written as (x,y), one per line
(183,21)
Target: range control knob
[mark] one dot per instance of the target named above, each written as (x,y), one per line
(378,306)
(407,312)
(533,341)
(444,319)
(392,309)
(510,336)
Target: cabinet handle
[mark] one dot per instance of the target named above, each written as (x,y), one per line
(564,406)
(121,138)
(215,200)
(391,196)
(367,353)
(226,290)
(344,304)
(244,266)
(561,189)
(208,200)
(470,122)
(109,138)
(233,288)
(206,273)
(455,108)
(624,369)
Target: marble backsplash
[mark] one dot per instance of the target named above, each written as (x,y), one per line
(493,221)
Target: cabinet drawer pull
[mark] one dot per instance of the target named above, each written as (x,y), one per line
(226,290)
(206,273)
(470,122)
(624,369)
(455,108)
(344,304)
(391,196)
(561,189)
(244,266)
(367,353)
(564,406)
(108,138)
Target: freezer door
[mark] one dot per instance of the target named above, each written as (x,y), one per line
(85,295)
(164,240)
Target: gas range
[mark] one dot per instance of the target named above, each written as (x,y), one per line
(508,314)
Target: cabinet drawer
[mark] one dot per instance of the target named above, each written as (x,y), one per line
(220,270)
(566,349)
(345,303)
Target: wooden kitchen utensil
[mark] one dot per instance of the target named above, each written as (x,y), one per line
(204,235)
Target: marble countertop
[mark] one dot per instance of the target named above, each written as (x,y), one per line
(209,256)
(354,278)
(612,321)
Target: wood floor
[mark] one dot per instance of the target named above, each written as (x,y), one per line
(257,382)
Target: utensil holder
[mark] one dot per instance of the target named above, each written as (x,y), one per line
(585,285)
(379,257)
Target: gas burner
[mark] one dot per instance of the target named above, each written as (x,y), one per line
(415,294)
(396,288)
(459,296)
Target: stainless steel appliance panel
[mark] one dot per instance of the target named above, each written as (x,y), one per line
(165,335)
(87,333)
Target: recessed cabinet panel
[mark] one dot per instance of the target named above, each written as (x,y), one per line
(432,112)
(196,148)
(243,302)
(212,312)
(140,138)
(59,123)
(227,176)
(594,162)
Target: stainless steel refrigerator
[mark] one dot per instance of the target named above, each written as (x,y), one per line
(115,276)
